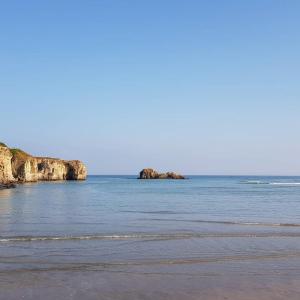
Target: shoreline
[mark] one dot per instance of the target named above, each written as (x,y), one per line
(5,186)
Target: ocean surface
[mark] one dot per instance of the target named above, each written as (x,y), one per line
(116,237)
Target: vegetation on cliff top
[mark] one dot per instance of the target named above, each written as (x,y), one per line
(18,153)
(22,155)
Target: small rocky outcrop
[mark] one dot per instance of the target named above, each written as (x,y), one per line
(19,166)
(152,174)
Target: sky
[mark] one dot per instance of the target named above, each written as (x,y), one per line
(197,87)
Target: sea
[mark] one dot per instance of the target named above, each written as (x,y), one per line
(117,237)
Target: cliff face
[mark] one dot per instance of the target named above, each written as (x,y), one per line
(47,169)
(16,165)
(6,175)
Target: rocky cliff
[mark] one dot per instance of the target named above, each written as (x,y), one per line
(19,166)
(152,174)
(6,175)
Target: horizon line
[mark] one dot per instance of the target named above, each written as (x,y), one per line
(262,175)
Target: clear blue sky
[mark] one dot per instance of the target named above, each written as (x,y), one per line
(199,87)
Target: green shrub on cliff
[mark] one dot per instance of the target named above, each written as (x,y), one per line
(2,144)
(18,153)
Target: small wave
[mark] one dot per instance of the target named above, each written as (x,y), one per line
(250,223)
(253,182)
(231,222)
(163,236)
(66,238)
(163,212)
(92,237)
(285,183)
(271,183)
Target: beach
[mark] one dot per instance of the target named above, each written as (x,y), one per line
(117,237)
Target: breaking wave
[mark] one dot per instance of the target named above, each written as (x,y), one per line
(253,182)
(166,236)
(285,183)
(271,183)
(233,222)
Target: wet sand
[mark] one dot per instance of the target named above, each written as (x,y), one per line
(242,280)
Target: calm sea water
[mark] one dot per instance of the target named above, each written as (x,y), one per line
(116,237)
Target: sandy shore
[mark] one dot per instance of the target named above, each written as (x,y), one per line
(214,281)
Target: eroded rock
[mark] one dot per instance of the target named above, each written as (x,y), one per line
(153,174)
(19,166)
(6,175)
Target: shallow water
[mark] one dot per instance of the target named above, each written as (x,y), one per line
(115,237)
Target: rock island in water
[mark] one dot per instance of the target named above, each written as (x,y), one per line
(152,174)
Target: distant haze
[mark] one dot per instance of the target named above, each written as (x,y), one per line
(197,87)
